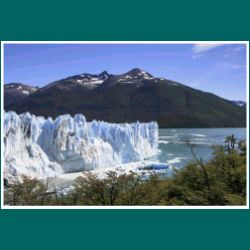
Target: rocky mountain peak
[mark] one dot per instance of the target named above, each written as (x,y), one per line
(136,72)
(104,73)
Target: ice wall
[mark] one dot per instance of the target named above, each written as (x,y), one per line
(41,147)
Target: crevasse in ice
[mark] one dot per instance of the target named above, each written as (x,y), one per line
(40,147)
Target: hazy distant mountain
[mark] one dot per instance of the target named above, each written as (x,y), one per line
(239,103)
(135,95)
(15,92)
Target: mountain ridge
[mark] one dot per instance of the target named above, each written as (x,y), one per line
(135,95)
(15,92)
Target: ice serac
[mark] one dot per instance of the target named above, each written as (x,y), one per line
(41,147)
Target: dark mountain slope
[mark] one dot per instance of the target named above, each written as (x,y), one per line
(133,96)
(170,105)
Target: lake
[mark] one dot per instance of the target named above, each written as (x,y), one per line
(174,150)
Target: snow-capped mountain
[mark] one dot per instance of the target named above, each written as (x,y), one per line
(40,147)
(86,81)
(134,95)
(136,77)
(91,80)
(15,92)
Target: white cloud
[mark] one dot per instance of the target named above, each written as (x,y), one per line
(234,51)
(238,66)
(201,49)
(229,67)
(204,47)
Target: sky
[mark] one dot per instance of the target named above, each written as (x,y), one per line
(215,68)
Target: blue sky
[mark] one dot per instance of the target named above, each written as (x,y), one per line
(216,68)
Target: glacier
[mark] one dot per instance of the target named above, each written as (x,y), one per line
(40,147)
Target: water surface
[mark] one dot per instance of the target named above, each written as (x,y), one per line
(174,150)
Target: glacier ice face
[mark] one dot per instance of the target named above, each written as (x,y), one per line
(41,147)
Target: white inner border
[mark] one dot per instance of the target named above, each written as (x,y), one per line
(125,42)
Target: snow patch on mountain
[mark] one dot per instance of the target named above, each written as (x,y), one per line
(19,88)
(89,80)
(25,92)
(40,147)
(135,76)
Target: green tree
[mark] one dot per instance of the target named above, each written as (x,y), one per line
(27,191)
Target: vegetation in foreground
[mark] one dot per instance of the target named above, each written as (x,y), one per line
(220,181)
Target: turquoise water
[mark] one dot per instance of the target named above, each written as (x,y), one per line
(173,147)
